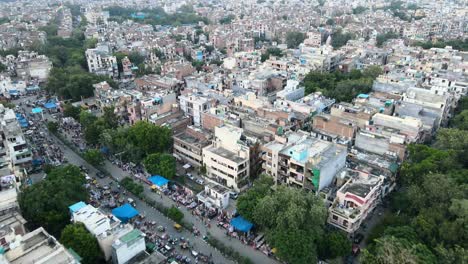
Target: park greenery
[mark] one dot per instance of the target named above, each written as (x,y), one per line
(293,39)
(339,39)
(293,221)
(46,203)
(343,87)
(271,51)
(458,44)
(69,77)
(227,19)
(382,38)
(77,237)
(161,164)
(156,16)
(427,222)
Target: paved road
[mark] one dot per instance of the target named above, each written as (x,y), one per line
(152,214)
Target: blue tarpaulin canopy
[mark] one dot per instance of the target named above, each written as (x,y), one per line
(36,110)
(37,161)
(125,212)
(159,181)
(50,105)
(104,150)
(21,120)
(76,207)
(13,92)
(241,224)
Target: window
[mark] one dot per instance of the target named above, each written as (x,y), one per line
(335,217)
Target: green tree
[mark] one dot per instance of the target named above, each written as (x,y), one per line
(294,222)
(175,214)
(248,200)
(382,38)
(460,121)
(52,127)
(3,67)
(110,119)
(161,164)
(293,39)
(359,10)
(393,250)
(150,138)
(71,111)
(46,202)
(334,244)
(340,39)
(94,157)
(76,236)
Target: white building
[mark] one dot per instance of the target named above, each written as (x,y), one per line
(101,62)
(214,195)
(128,246)
(14,144)
(227,158)
(193,106)
(107,229)
(38,247)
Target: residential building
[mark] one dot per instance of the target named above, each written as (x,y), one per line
(227,159)
(102,62)
(297,159)
(39,247)
(128,246)
(14,143)
(114,238)
(193,105)
(335,129)
(188,145)
(214,195)
(355,200)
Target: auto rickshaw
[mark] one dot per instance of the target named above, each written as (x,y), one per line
(178,227)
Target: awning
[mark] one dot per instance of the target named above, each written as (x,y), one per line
(241,224)
(50,105)
(36,110)
(125,212)
(187,166)
(158,180)
(13,92)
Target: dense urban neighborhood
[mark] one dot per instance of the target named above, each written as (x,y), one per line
(217,131)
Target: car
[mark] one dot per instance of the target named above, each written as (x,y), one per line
(358,238)
(194,253)
(100,175)
(190,176)
(233,195)
(200,181)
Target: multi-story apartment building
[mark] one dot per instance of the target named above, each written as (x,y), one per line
(188,145)
(14,144)
(227,159)
(299,160)
(193,106)
(355,200)
(101,62)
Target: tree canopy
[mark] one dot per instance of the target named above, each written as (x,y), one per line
(46,202)
(341,86)
(433,202)
(136,142)
(292,219)
(293,39)
(77,237)
(161,164)
(94,157)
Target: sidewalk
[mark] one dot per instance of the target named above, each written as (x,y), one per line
(245,250)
